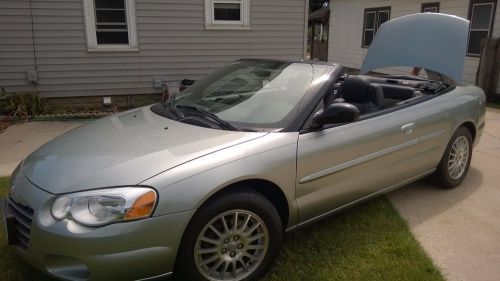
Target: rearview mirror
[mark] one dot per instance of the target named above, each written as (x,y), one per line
(337,113)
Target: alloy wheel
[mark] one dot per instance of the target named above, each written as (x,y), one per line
(231,246)
(458,158)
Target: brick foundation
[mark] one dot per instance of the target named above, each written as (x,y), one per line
(96,102)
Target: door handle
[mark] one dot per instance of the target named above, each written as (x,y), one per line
(408,128)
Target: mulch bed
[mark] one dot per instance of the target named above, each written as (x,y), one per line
(5,121)
(55,117)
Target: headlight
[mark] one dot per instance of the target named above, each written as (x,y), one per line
(105,206)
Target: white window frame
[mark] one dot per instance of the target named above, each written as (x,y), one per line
(490,24)
(377,11)
(90,28)
(242,24)
(374,29)
(431,7)
(431,10)
(388,12)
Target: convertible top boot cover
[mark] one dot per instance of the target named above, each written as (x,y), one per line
(430,40)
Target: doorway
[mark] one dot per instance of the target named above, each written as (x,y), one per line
(319,20)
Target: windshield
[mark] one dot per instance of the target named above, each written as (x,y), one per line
(258,94)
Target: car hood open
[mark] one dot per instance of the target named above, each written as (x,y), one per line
(430,40)
(123,149)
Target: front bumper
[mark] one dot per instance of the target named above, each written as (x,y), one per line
(123,251)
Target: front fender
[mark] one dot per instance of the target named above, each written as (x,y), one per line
(271,158)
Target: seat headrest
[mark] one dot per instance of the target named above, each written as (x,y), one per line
(375,95)
(353,89)
(397,92)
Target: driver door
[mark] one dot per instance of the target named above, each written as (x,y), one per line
(337,166)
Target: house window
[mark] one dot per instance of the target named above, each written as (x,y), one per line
(110,24)
(430,7)
(481,14)
(374,18)
(227,14)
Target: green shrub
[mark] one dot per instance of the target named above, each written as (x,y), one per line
(3,101)
(22,104)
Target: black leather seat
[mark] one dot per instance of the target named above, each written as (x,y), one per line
(358,91)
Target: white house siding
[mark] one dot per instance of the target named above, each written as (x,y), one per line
(16,44)
(347,21)
(173,45)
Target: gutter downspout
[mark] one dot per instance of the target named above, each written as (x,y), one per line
(33,75)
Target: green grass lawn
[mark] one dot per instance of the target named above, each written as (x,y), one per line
(11,266)
(367,242)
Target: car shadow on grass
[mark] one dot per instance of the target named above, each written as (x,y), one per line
(13,267)
(367,242)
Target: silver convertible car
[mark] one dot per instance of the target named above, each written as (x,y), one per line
(206,184)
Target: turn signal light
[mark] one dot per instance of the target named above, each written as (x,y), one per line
(142,207)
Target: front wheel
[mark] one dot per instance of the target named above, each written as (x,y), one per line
(235,236)
(456,159)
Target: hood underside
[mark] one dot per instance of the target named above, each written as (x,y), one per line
(123,149)
(429,40)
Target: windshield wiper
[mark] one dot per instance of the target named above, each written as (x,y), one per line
(210,116)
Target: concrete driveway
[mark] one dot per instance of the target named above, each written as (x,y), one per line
(19,140)
(458,228)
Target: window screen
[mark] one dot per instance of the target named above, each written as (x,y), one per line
(227,11)
(430,7)
(374,18)
(111,22)
(481,17)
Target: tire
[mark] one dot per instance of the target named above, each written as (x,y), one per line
(254,211)
(446,176)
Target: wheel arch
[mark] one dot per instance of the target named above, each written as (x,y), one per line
(267,188)
(471,127)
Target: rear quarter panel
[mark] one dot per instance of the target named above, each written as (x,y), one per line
(438,119)
(466,104)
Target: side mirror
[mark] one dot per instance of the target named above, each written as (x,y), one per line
(337,113)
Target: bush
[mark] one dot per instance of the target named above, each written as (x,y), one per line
(23,104)
(3,101)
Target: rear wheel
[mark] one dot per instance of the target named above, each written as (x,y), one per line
(456,160)
(235,236)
